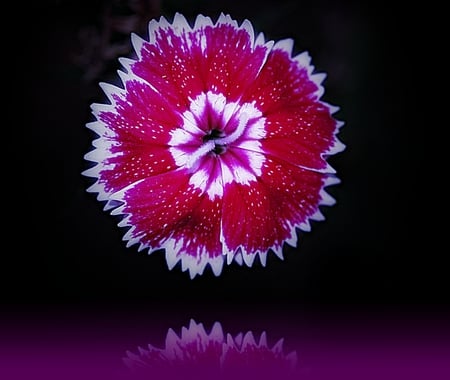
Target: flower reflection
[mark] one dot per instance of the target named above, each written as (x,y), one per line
(201,355)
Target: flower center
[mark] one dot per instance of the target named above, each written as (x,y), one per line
(218,142)
(215,135)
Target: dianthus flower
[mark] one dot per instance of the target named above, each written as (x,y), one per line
(215,147)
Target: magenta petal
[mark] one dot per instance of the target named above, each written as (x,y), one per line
(184,62)
(301,135)
(140,115)
(249,224)
(293,151)
(134,131)
(285,198)
(134,163)
(282,83)
(166,211)
(299,127)
(230,63)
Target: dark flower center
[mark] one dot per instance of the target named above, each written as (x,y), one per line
(215,134)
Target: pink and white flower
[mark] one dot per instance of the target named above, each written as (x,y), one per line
(215,148)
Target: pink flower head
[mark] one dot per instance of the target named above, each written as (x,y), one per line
(215,148)
(213,355)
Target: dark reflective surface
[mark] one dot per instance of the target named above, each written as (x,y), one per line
(171,343)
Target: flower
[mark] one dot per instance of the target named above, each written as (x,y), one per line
(215,148)
(214,355)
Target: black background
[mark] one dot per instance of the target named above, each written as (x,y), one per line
(378,243)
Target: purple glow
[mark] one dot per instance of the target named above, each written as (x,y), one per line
(93,345)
